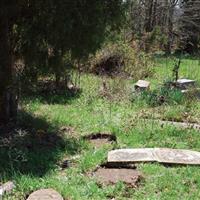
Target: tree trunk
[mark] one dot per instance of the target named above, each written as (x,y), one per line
(8,100)
(170,31)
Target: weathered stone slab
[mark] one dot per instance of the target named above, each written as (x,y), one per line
(162,155)
(45,194)
(185,83)
(142,85)
(182,125)
(131,155)
(177,156)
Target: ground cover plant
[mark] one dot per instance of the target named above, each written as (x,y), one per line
(51,132)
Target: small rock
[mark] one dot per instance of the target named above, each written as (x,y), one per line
(7,187)
(45,194)
(142,85)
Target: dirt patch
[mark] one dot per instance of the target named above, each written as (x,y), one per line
(106,176)
(100,139)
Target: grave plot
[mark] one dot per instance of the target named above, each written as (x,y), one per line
(45,194)
(161,155)
(100,139)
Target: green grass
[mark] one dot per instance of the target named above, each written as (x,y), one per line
(189,68)
(32,157)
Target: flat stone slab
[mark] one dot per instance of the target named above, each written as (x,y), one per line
(108,176)
(177,156)
(161,155)
(131,155)
(142,85)
(186,83)
(45,194)
(183,125)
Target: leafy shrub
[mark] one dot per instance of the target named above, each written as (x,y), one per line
(120,58)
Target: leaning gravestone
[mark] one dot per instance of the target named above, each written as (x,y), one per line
(142,85)
(45,194)
(161,155)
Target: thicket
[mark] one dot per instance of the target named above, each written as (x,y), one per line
(121,59)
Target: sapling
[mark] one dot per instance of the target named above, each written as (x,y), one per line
(176,70)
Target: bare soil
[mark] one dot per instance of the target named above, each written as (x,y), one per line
(106,176)
(100,139)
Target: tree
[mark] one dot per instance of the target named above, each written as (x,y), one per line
(190,26)
(154,15)
(29,28)
(171,8)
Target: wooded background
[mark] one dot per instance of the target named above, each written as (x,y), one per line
(52,37)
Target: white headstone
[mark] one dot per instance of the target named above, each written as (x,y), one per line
(142,85)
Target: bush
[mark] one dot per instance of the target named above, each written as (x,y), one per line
(121,59)
(162,96)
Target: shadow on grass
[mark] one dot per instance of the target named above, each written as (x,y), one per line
(29,149)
